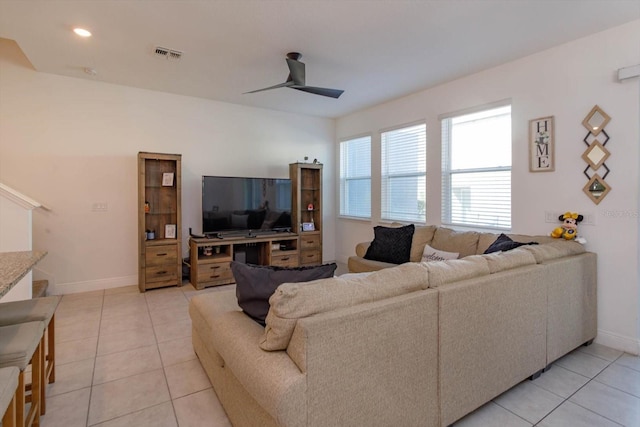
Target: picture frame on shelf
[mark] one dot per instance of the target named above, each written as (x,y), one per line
(308,226)
(170,231)
(542,145)
(167,179)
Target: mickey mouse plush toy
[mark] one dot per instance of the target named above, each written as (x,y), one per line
(569,228)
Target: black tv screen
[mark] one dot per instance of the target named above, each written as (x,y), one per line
(238,204)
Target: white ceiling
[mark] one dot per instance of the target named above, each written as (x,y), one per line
(374,50)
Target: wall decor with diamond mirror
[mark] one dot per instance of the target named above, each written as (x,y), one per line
(596,154)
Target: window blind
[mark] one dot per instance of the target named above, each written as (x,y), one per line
(355,177)
(476,169)
(403,174)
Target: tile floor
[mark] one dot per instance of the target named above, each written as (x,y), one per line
(125,359)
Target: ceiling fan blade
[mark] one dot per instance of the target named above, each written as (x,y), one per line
(285,84)
(296,71)
(332,93)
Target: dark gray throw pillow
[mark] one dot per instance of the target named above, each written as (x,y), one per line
(256,283)
(505,243)
(391,244)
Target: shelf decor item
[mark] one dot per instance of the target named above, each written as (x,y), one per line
(596,154)
(541,145)
(167,179)
(170,231)
(159,220)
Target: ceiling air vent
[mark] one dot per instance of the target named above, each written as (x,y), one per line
(163,52)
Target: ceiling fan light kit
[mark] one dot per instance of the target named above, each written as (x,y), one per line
(297,79)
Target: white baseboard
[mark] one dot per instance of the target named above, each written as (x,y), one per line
(92,285)
(626,344)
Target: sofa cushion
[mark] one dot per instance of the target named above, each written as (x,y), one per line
(293,301)
(256,283)
(422,236)
(391,244)
(553,250)
(431,254)
(463,242)
(443,272)
(504,243)
(500,261)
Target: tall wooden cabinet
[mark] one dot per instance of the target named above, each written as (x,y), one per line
(306,210)
(159,220)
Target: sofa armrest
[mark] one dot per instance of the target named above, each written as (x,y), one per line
(372,364)
(361,248)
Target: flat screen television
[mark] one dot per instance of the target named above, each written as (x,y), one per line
(239,204)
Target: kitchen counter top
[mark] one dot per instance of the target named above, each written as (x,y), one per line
(15,265)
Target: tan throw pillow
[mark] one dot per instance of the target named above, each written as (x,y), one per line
(463,242)
(422,235)
(431,254)
(292,301)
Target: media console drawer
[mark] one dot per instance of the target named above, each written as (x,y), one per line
(289,260)
(309,241)
(214,272)
(161,254)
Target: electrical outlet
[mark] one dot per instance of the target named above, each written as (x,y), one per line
(589,219)
(551,216)
(99,207)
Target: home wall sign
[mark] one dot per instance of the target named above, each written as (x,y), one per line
(541,145)
(596,154)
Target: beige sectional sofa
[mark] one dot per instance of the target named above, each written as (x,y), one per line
(419,344)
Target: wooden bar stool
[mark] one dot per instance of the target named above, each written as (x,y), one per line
(32,310)
(20,345)
(8,389)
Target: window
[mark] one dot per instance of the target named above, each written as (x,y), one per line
(404,165)
(476,168)
(355,177)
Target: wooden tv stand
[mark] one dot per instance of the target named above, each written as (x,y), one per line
(279,249)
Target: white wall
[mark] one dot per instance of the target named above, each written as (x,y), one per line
(72,142)
(566,82)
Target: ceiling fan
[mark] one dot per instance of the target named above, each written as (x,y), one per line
(296,79)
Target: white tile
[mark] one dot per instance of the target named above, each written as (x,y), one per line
(570,414)
(175,313)
(112,325)
(67,410)
(129,307)
(185,378)
(200,409)
(172,330)
(72,351)
(76,331)
(629,361)
(622,378)
(491,415)
(601,351)
(125,340)
(156,416)
(561,381)
(122,290)
(529,401)
(126,363)
(583,363)
(609,402)
(121,397)
(176,351)
(71,376)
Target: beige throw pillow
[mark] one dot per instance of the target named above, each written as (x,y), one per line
(431,254)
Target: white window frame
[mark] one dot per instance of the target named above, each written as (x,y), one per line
(387,177)
(500,221)
(344,210)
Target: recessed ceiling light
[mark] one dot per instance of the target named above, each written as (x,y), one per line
(82,32)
